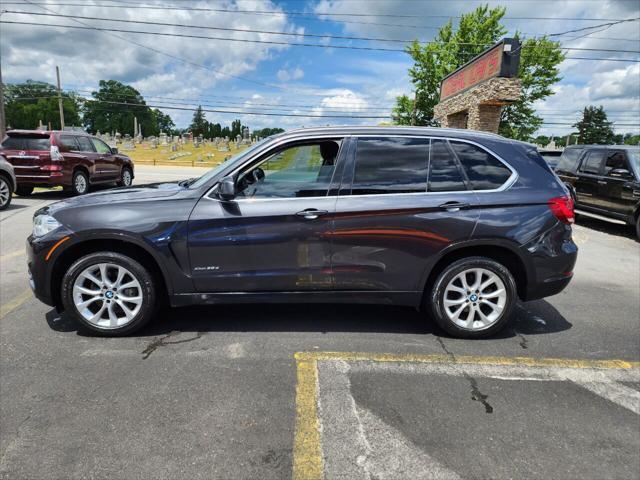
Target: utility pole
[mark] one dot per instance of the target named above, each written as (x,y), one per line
(3,125)
(60,100)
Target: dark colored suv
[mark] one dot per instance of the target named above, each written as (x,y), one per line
(604,181)
(73,160)
(462,223)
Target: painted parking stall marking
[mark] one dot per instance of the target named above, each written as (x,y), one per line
(336,437)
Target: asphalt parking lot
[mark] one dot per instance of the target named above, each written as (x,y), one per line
(331,391)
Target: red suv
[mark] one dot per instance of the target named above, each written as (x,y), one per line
(73,160)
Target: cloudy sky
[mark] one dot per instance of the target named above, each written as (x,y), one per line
(304,85)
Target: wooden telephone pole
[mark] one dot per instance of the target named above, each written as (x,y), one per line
(3,124)
(60,100)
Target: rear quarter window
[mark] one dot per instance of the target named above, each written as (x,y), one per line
(569,160)
(484,171)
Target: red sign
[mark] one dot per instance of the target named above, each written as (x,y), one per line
(484,67)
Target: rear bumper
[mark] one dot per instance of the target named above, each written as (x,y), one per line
(553,257)
(43,179)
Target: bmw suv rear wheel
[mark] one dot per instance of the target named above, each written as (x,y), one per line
(473,297)
(109,293)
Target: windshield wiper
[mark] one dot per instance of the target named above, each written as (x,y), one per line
(187,182)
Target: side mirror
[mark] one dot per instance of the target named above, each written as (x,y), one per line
(620,173)
(114,151)
(227,188)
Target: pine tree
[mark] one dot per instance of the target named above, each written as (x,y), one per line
(595,128)
(199,124)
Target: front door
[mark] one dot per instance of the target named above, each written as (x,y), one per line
(105,161)
(618,184)
(274,236)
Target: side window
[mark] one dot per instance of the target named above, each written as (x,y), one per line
(484,171)
(592,161)
(297,171)
(101,147)
(69,142)
(615,160)
(85,144)
(391,165)
(444,173)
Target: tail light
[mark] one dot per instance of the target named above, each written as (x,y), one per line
(562,209)
(55,153)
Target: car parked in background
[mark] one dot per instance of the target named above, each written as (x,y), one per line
(73,160)
(550,156)
(604,181)
(461,223)
(7,183)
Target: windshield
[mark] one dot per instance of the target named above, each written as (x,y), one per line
(216,170)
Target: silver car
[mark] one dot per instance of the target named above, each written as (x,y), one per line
(7,183)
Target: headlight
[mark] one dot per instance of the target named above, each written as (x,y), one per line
(44,224)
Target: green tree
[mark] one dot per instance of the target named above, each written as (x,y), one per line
(161,123)
(114,108)
(26,104)
(267,132)
(453,48)
(631,139)
(595,128)
(236,128)
(199,124)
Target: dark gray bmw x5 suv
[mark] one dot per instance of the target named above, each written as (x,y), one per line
(459,223)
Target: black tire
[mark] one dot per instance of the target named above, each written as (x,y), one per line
(436,296)
(79,183)
(126,177)
(138,271)
(6,191)
(24,191)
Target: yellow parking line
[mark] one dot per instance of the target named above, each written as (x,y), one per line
(462,359)
(15,254)
(307,452)
(9,307)
(307,448)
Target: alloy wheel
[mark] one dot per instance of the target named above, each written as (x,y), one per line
(126,178)
(5,192)
(475,298)
(80,183)
(107,295)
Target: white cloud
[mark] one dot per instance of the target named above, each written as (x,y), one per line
(285,75)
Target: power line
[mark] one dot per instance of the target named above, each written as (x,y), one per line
(143,22)
(269,42)
(568,122)
(308,14)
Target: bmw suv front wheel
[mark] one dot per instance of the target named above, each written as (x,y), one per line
(109,293)
(473,297)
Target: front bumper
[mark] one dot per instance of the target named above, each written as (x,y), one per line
(42,254)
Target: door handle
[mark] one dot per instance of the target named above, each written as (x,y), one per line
(454,206)
(602,182)
(311,213)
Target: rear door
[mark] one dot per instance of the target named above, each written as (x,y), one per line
(106,162)
(616,188)
(403,200)
(89,157)
(588,177)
